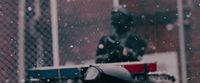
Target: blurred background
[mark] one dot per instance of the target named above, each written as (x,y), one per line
(41,33)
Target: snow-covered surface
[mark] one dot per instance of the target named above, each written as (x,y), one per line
(166,62)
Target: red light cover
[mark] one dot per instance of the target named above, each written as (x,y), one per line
(140,68)
(152,67)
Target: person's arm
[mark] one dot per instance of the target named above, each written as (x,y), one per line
(136,47)
(101,51)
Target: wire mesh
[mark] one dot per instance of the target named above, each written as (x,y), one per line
(8,43)
(37,39)
(81,23)
(80,26)
(38,48)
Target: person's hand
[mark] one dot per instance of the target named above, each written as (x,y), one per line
(125,52)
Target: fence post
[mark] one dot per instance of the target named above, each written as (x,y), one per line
(115,3)
(182,41)
(21,27)
(54,29)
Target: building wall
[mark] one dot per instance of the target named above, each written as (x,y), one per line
(194,44)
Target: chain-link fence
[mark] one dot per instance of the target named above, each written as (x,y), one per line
(26,35)
(8,41)
(41,33)
(37,38)
(80,27)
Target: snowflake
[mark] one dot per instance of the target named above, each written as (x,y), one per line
(71,46)
(189,15)
(22,81)
(76,73)
(48,80)
(157,6)
(101,46)
(65,25)
(11,22)
(143,16)
(125,5)
(7,81)
(29,8)
(169,27)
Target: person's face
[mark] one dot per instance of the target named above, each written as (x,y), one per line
(120,23)
(118,19)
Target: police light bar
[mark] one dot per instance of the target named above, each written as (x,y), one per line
(136,67)
(64,72)
(77,71)
(141,68)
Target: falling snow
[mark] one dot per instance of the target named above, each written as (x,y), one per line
(29,8)
(7,81)
(81,25)
(157,6)
(189,15)
(143,16)
(71,46)
(48,80)
(169,27)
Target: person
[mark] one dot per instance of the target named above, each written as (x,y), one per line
(120,46)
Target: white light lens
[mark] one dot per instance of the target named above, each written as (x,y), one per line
(92,73)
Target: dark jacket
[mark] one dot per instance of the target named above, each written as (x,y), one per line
(111,50)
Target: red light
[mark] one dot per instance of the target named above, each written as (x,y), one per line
(135,68)
(152,67)
(140,68)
